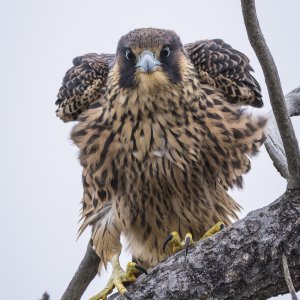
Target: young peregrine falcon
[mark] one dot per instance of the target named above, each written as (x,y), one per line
(162,136)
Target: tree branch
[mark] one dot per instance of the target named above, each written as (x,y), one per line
(45,296)
(274,143)
(284,123)
(85,273)
(244,261)
(288,278)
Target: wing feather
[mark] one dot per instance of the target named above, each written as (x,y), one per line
(83,84)
(227,69)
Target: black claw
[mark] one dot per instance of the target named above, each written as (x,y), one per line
(168,239)
(127,296)
(139,267)
(222,226)
(187,244)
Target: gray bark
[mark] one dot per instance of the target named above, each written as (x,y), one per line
(85,273)
(244,261)
(259,45)
(45,296)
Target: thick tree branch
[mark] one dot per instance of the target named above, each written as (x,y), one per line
(284,123)
(85,273)
(244,261)
(274,143)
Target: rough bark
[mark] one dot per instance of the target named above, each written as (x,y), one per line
(244,261)
(85,273)
(267,63)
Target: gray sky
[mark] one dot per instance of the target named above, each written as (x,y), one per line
(40,175)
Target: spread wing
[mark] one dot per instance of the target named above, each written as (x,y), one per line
(227,69)
(83,84)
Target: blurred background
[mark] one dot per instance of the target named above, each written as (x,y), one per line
(40,175)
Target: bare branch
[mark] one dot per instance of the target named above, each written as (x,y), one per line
(45,296)
(274,143)
(244,261)
(284,123)
(85,273)
(288,278)
(293,102)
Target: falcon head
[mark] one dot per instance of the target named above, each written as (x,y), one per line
(150,57)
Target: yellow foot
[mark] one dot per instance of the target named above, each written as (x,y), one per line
(216,228)
(178,244)
(119,278)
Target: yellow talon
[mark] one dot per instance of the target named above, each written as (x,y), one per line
(178,244)
(216,228)
(118,278)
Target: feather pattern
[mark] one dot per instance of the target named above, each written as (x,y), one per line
(83,85)
(227,69)
(160,153)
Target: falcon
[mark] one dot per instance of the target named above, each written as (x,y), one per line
(162,133)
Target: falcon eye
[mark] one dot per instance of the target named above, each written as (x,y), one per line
(165,52)
(129,54)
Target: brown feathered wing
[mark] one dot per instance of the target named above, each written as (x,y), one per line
(83,85)
(226,69)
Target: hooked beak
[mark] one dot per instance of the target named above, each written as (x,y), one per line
(147,62)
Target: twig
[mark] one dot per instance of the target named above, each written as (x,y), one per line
(288,278)
(45,296)
(265,58)
(85,273)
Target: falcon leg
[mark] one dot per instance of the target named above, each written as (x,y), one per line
(119,278)
(178,244)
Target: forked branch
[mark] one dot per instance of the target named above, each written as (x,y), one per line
(267,63)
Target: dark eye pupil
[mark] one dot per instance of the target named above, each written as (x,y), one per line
(129,54)
(166,51)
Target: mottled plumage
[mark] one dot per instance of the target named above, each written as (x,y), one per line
(160,149)
(83,84)
(226,69)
